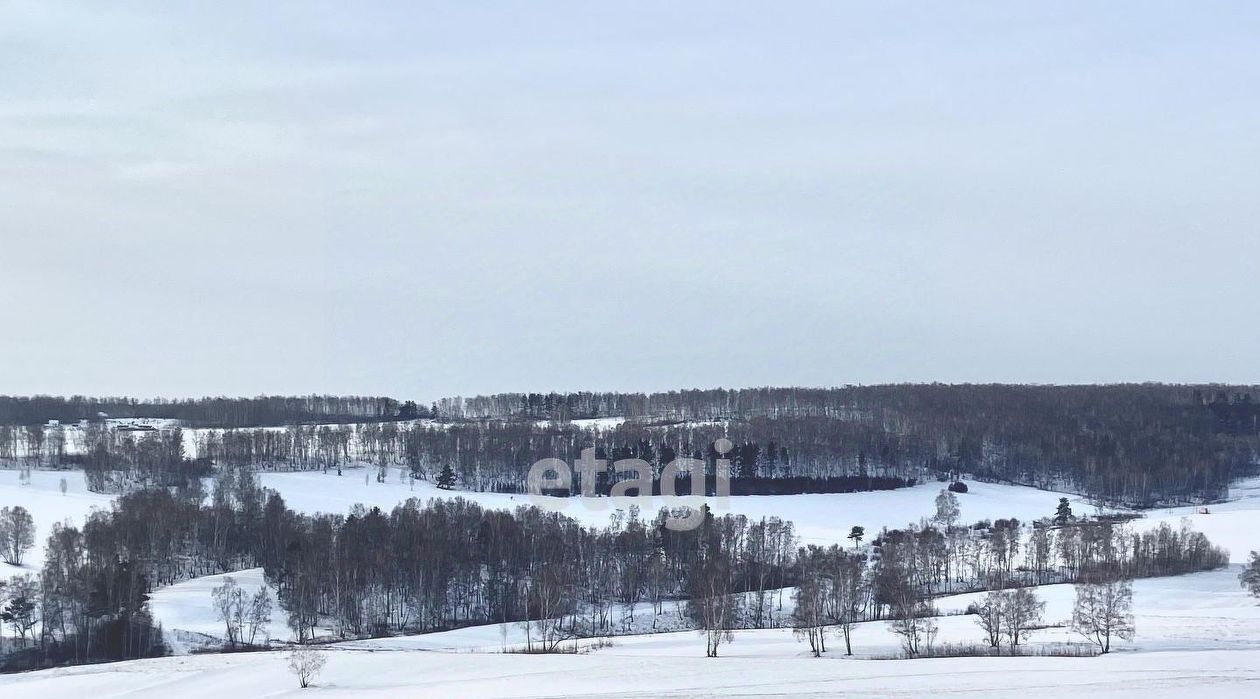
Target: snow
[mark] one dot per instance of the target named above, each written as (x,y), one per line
(588,423)
(1201,611)
(819,519)
(1234,524)
(47,506)
(1195,633)
(653,668)
(188,618)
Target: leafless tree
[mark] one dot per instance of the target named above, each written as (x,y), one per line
(1103,609)
(1250,576)
(947,510)
(306,664)
(17,534)
(1021,612)
(713,606)
(809,616)
(257,617)
(846,571)
(229,603)
(989,617)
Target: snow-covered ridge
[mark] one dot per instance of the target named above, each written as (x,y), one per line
(1196,630)
(770,664)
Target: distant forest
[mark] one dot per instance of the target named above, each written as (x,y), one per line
(262,411)
(1134,444)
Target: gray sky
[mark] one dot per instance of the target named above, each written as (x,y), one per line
(427,199)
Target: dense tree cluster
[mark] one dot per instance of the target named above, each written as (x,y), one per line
(449,563)
(89,601)
(902,570)
(1139,445)
(421,567)
(119,461)
(1136,444)
(208,412)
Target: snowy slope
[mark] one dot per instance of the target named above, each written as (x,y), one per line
(1202,611)
(655,669)
(1234,524)
(47,506)
(187,614)
(1196,633)
(819,519)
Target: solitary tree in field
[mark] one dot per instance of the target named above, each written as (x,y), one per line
(947,510)
(17,534)
(856,534)
(306,664)
(1103,610)
(1250,576)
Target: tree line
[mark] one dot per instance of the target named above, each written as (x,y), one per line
(260,411)
(1135,444)
(451,563)
(902,571)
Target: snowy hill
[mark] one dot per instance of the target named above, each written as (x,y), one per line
(189,619)
(48,506)
(819,519)
(1197,630)
(1197,633)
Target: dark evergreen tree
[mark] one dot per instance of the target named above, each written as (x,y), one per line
(1063,514)
(446,479)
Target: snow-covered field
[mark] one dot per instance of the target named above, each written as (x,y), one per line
(48,506)
(819,519)
(1202,611)
(757,664)
(1234,524)
(188,618)
(1196,633)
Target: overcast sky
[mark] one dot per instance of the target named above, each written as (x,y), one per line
(449,198)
